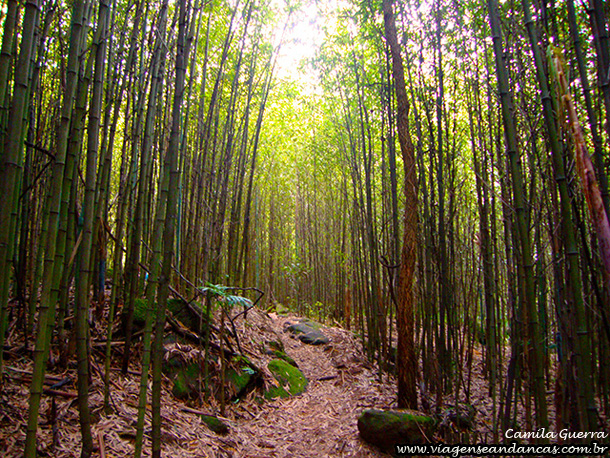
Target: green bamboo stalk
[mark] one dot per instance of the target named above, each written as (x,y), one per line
(83,280)
(118,251)
(584,382)
(171,164)
(584,385)
(158,69)
(519,199)
(8,37)
(47,307)
(11,153)
(65,240)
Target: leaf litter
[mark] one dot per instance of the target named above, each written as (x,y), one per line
(319,422)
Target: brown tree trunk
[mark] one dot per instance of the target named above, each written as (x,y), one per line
(406,361)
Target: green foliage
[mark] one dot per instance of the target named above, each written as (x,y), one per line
(224,298)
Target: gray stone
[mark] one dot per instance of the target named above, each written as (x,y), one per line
(313,338)
(308,333)
(386,429)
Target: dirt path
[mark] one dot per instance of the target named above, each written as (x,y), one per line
(322,422)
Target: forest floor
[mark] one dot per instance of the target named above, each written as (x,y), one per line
(321,422)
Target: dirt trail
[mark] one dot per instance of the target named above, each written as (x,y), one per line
(322,422)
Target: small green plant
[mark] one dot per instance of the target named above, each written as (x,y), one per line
(223,297)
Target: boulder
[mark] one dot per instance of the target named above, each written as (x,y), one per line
(291,381)
(285,357)
(308,332)
(313,338)
(242,376)
(184,370)
(185,377)
(215,424)
(387,428)
(275,348)
(190,315)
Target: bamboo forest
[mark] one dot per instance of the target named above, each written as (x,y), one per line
(304,228)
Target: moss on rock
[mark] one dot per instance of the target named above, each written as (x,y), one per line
(276,392)
(285,357)
(276,348)
(385,429)
(186,382)
(215,424)
(308,332)
(291,380)
(242,376)
(180,310)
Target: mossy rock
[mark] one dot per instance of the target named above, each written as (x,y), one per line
(311,323)
(178,309)
(215,424)
(274,345)
(185,372)
(385,429)
(276,392)
(239,379)
(281,310)
(285,357)
(276,348)
(291,381)
(186,382)
(242,376)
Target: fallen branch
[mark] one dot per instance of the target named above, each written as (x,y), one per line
(27,376)
(65,394)
(326,377)
(200,412)
(191,336)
